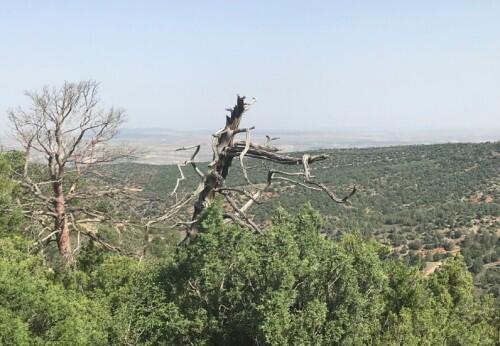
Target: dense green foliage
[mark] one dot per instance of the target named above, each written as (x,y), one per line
(35,309)
(10,214)
(291,286)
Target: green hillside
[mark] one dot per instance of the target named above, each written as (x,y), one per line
(428,202)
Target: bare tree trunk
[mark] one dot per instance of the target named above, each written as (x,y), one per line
(222,160)
(61,224)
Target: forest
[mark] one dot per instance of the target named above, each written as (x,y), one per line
(98,250)
(426,202)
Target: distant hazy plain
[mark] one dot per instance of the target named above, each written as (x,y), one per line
(157,146)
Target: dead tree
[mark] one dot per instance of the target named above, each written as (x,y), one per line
(65,128)
(225,149)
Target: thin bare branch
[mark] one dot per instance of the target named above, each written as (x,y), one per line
(242,214)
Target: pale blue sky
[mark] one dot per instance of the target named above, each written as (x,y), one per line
(311,64)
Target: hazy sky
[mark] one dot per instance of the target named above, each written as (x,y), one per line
(310,64)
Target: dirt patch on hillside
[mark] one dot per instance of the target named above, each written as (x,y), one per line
(430,267)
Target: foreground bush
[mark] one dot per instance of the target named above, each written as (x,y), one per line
(34,309)
(292,286)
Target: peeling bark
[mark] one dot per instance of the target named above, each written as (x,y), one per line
(222,157)
(61,224)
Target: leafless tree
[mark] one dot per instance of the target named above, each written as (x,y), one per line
(226,148)
(69,131)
